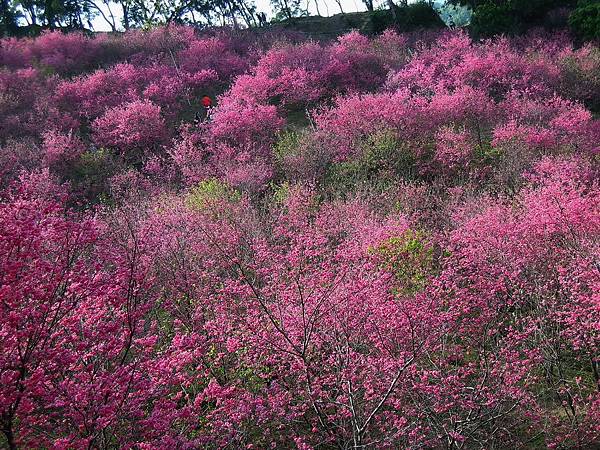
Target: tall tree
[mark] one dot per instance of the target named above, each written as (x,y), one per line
(369,5)
(288,9)
(8,18)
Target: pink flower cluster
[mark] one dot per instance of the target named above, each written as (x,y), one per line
(387,242)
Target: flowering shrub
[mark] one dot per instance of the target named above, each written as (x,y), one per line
(54,51)
(44,280)
(19,91)
(526,251)
(383,242)
(134,126)
(90,96)
(580,79)
(550,123)
(17,156)
(61,150)
(212,54)
(414,120)
(240,138)
(189,156)
(493,66)
(302,74)
(64,53)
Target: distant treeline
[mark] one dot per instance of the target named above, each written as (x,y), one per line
(487,17)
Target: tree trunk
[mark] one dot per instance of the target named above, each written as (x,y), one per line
(49,14)
(393,7)
(287,10)
(246,15)
(125,16)
(232,14)
(339,3)
(7,430)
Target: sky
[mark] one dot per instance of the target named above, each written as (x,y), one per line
(326,7)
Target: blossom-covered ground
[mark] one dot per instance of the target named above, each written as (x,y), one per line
(387,242)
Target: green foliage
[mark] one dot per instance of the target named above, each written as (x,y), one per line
(384,159)
(418,15)
(208,192)
(493,17)
(287,145)
(485,154)
(8,18)
(45,14)
(281,192)
(409,257)
(490,19)
(45,70)
(298,156)
(585,20)
(90,173)
(381,20)
(287,9)
(408,18)
(581,78)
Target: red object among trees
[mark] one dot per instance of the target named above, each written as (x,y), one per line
(206,101)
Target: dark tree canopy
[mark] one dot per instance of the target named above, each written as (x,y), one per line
(22,17)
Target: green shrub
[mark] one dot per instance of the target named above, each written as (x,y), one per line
(490,19)
(580,78)
(486,155)
(286,146)
(299,156)
(409,257)
(585,20)
(89,175)
(381,20)
(208,192)
(408,18)
(281,192)
(384,159)
(494,17)
(418,15)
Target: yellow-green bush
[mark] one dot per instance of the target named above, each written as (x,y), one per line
(409,257)
(281,192)
(286,145)
(299,156)
(208,192)
(384,159)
